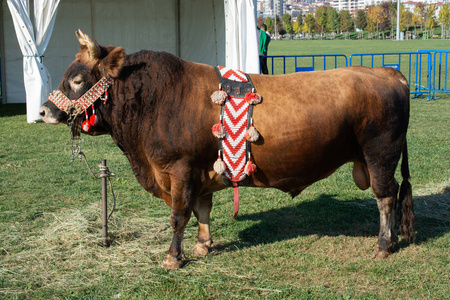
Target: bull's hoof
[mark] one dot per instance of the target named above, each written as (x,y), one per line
(380,254)
(171,263)
(201,249)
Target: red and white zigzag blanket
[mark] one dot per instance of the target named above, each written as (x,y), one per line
(235,116)
(235,129)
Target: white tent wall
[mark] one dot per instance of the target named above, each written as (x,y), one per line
(193,30)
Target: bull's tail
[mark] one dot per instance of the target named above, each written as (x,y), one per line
(405,207)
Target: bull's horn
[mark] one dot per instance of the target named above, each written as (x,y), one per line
(93,47)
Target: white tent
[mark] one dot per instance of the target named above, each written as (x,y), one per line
(215,32)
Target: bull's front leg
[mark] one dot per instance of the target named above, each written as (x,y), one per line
(182,196)
(178,220)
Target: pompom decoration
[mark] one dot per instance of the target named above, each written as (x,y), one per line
(252,98)
(218,130)
(250,168)
(219,97)
(219,166)
(252,135)
(93,119)
(86,126)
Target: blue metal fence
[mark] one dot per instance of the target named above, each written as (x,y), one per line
(415,66)
(305,63)
(425,70)
(440,81)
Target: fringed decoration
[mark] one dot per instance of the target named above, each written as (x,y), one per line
(252,98)
(219,166)
(250,167)
(252,135)
(219,97)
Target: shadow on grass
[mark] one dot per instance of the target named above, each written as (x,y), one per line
(327,216)
(9,110)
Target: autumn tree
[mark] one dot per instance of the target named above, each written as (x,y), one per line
(376,16)
(298,24)
(444,17)
(431,19)
(420,12)
(309,23)
(259,21)
(405,18)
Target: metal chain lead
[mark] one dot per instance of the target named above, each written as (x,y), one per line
(77,153)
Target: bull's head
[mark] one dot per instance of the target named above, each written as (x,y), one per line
(91,64)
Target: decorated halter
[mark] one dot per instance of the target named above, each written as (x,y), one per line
(75,107)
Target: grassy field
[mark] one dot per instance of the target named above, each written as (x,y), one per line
(315,246)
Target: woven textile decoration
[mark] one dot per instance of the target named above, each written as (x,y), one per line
(235,129)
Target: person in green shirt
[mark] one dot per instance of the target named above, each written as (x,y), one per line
(264,40)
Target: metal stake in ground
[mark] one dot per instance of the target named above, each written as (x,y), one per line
(104,175)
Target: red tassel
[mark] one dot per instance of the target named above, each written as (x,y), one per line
(86,126)
(250,168)
(218,130)
(106,96)
(252,98)
(93,119)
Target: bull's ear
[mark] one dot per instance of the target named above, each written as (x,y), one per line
(112,63)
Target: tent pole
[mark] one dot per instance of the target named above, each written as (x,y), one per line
(178,29)
(2,57)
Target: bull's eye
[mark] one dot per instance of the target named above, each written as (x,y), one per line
(76,83)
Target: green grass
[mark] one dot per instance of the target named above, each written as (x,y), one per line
(315,246)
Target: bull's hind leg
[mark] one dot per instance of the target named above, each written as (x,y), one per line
(202,209)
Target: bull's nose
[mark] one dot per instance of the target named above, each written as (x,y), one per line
(42,112)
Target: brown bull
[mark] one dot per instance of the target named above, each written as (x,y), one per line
(160,114)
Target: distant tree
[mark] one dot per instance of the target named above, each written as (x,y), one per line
(415,20)
(444,16)
(405,18)
(387,13)
(333,20)
(309,23)
(361,19)
(346,21)
(287,23)
(420,11)
(297,27)
(279,23)
(269,24)
(376,16)
(431,19)
(321,18)
(260,21)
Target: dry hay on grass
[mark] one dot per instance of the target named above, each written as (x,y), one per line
(69,252)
